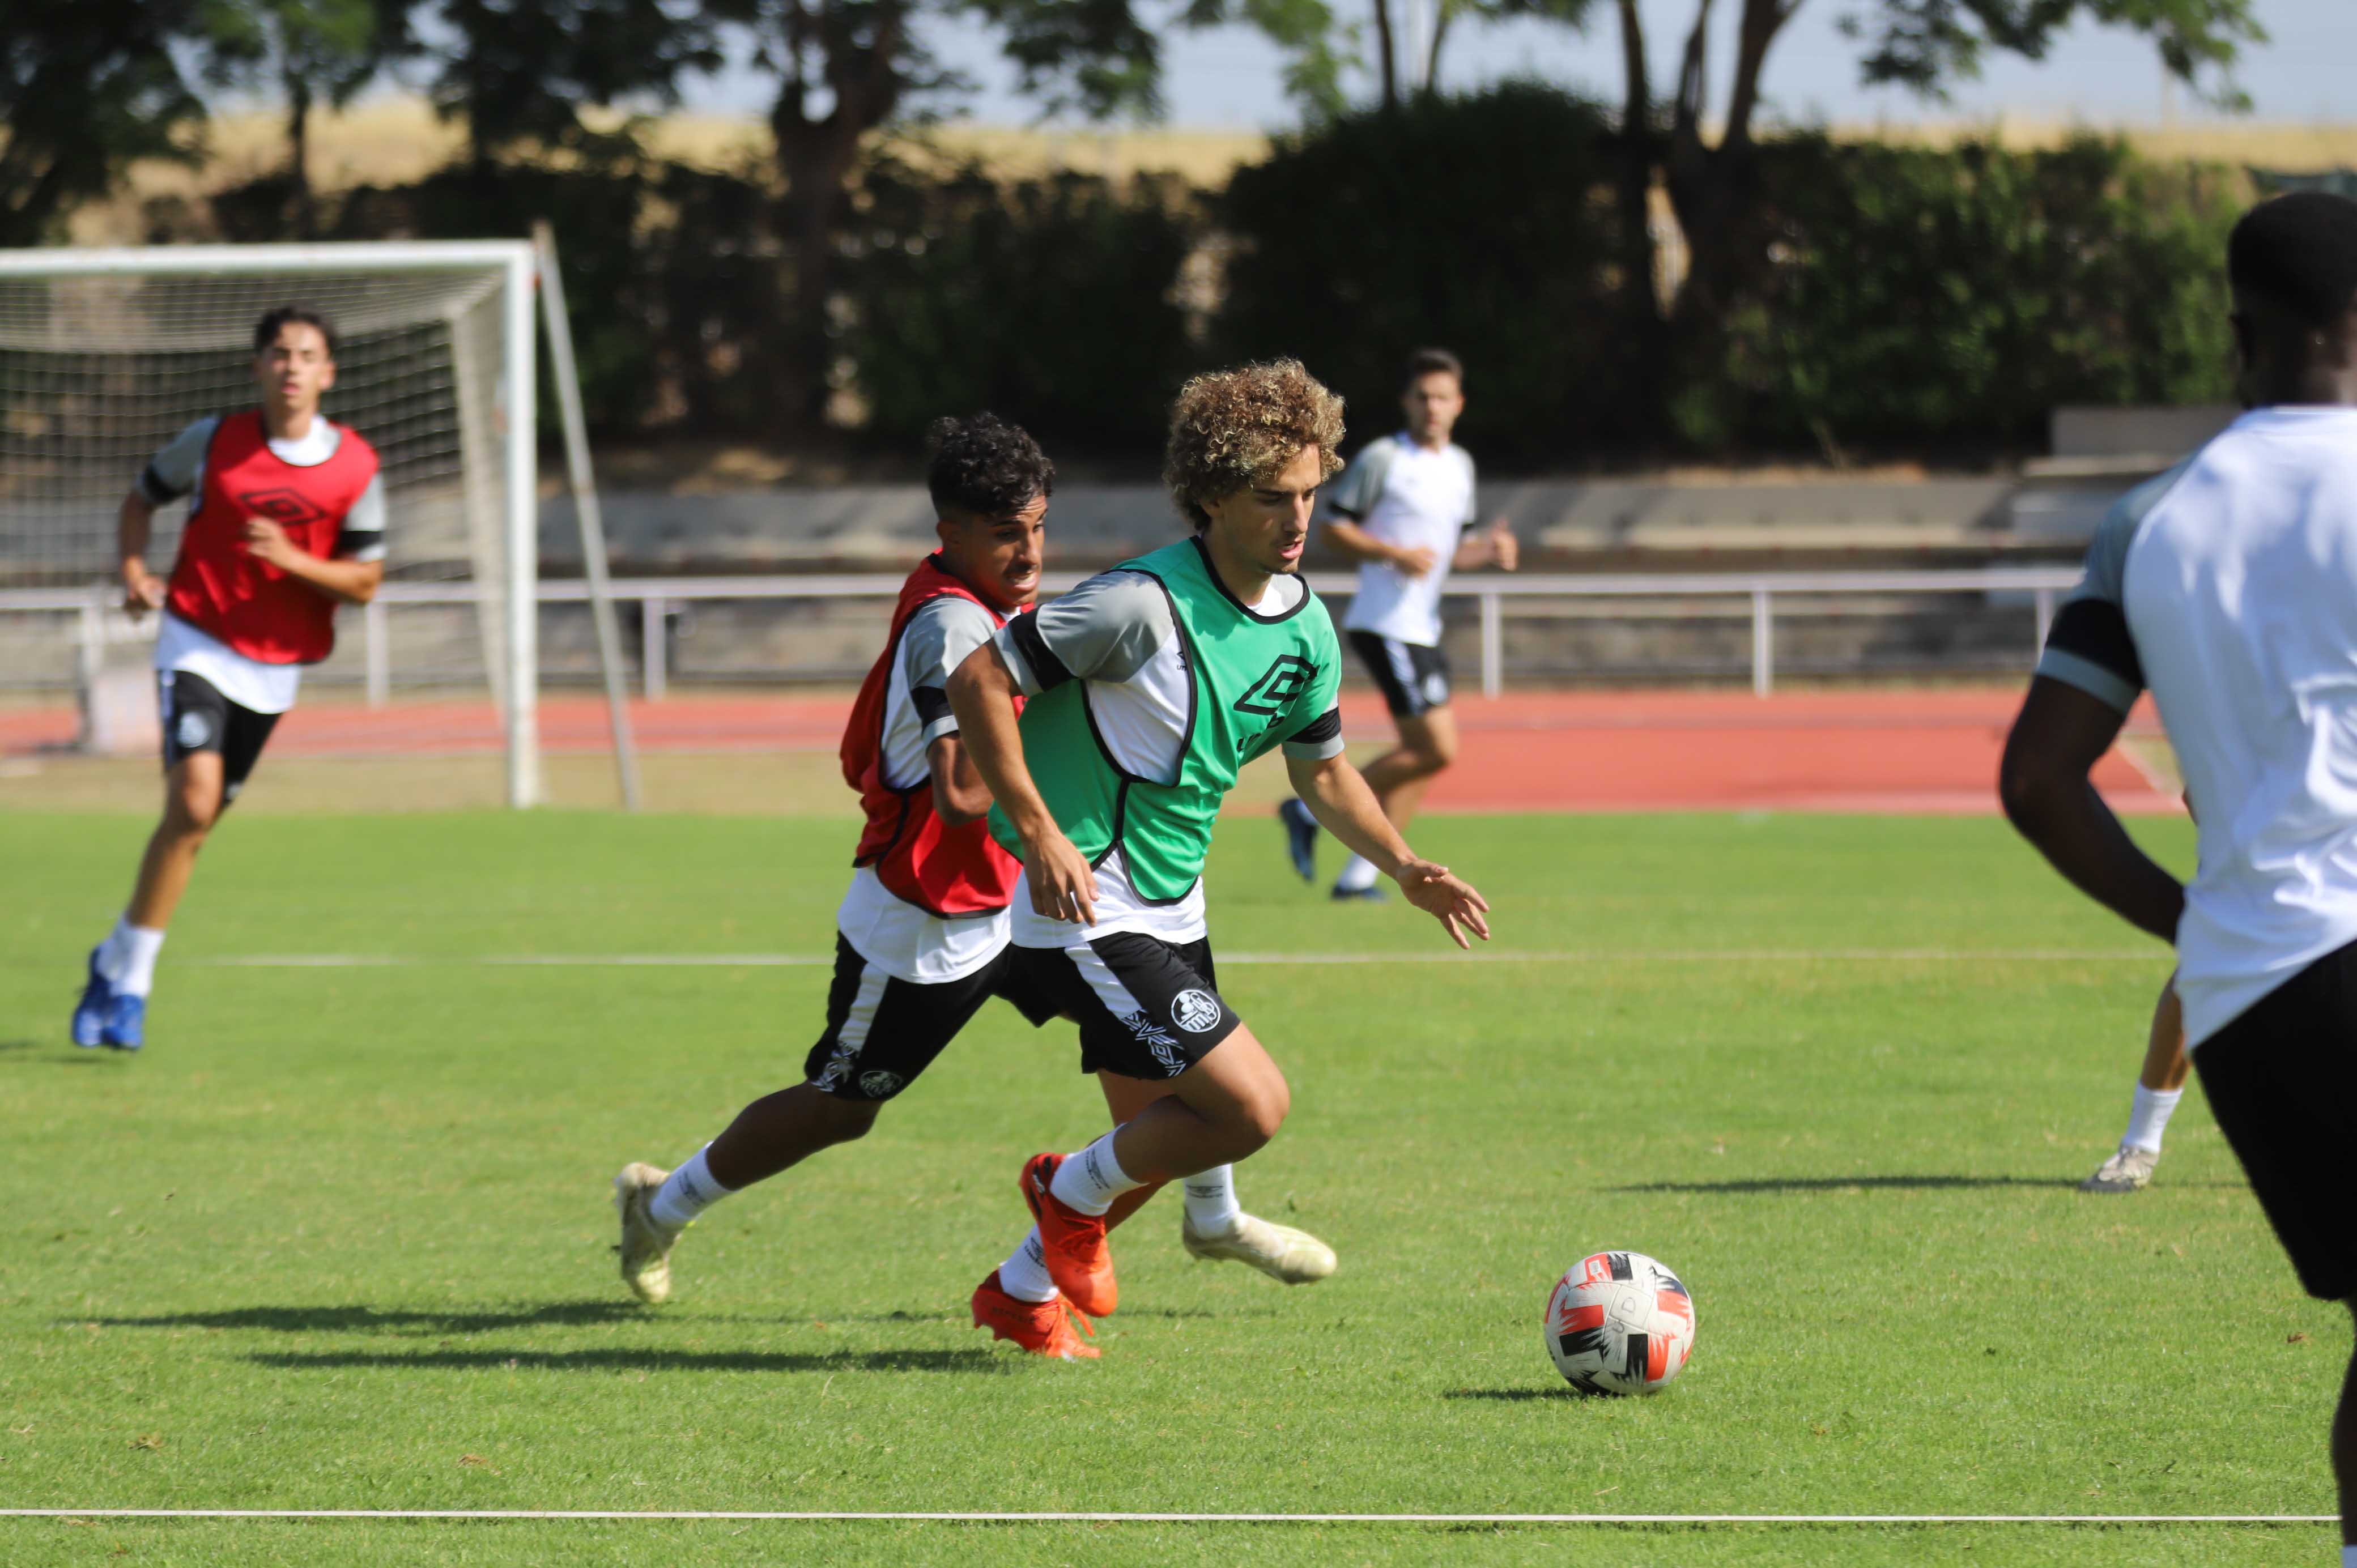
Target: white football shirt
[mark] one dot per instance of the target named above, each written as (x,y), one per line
(2229,584)
(1412,497)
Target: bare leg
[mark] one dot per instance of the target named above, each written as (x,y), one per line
(1125,1097)
(2344,1450)
(1219,1110)
(192,804)
(1427,745)
(2166,1065)
(782,1129)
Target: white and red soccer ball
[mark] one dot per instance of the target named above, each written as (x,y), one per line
(1620,1323)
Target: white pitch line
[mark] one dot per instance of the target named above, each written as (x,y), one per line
(822,1516)
(1599,955)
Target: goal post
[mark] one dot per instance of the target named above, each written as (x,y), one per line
(105,355)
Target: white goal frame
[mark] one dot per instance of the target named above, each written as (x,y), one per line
(519,263)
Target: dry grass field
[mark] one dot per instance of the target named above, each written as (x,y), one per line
(394,139)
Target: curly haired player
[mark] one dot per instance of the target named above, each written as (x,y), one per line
(922,935)
(1147,689)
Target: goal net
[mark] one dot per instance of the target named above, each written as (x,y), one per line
(105,356)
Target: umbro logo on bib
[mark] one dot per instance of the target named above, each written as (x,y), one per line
(1277,687)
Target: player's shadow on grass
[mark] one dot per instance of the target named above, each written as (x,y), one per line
(381,1320)
(1518,1396)
(653,1360)
(1840,1183)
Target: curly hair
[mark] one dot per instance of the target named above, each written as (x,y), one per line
(984,466)
(1231,429)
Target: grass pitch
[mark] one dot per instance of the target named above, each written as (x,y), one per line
(340,1237)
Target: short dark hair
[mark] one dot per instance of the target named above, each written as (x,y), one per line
(986,467)
(266,332)
(1432,361)
(2298,253)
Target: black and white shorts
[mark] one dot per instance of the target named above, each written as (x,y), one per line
(2282,1081)
(197,717)
(1147,1008)
(883,1031)
(1413,678)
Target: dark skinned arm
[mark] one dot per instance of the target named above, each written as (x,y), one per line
(2056,739)
(959,794)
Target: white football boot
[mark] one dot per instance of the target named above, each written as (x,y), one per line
(646,1241)
(1277,1251)
(2130,1170)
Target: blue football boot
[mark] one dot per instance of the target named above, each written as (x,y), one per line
(1300,838)
(90,1013)
(126,1022)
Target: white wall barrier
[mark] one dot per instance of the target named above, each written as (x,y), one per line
(657,597)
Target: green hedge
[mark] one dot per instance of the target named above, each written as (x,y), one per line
(1482,224)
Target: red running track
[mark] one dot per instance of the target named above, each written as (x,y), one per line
(1894,751)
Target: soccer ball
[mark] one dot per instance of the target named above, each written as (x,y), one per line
(1620,1323)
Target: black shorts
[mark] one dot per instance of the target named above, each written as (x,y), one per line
(2282,1081)
(883,1031)
(1147,1008)
(1414,678)
(197,717)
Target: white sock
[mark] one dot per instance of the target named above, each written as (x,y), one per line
(687,1192)
(1358,876)
(2149,1118)
(1089,1180)
(127,957)
(1024,1276)
(1212,1200)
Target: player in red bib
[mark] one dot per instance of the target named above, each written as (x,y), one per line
(921,938)
(289,523)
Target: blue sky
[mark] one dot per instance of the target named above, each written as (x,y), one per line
(1229,78)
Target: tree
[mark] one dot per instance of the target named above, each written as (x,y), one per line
(1922,44)
(307,51)
(846,68)
(522,70)
(89,87)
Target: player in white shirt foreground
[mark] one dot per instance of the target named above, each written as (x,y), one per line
(2229,585)
(289,523)
(921,937)
(1404,511)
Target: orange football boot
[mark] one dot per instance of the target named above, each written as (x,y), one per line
(1079,1261)
(1041,1327)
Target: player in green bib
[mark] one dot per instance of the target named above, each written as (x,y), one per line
(1146,690)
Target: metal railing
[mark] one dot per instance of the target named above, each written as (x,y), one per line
(656,597)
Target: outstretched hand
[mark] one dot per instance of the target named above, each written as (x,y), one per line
(1450,899)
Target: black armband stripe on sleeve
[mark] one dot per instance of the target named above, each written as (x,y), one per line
(1325,726)
(152,485)
(932,703)
(2097,631)
(1046,668)
(1347,513)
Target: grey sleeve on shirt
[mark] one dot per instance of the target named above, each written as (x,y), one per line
(1356,489)
(2090,646)
(1105,629)
(363,536)
(1318,739)
(936,641)
(173,472)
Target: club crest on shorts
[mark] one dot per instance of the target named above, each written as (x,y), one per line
(193,730)
(1195,1011)
(879,1085)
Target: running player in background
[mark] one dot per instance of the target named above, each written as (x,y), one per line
(1404,511)
(2229,585)
(289,523)
(1149,688)
(922,935)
